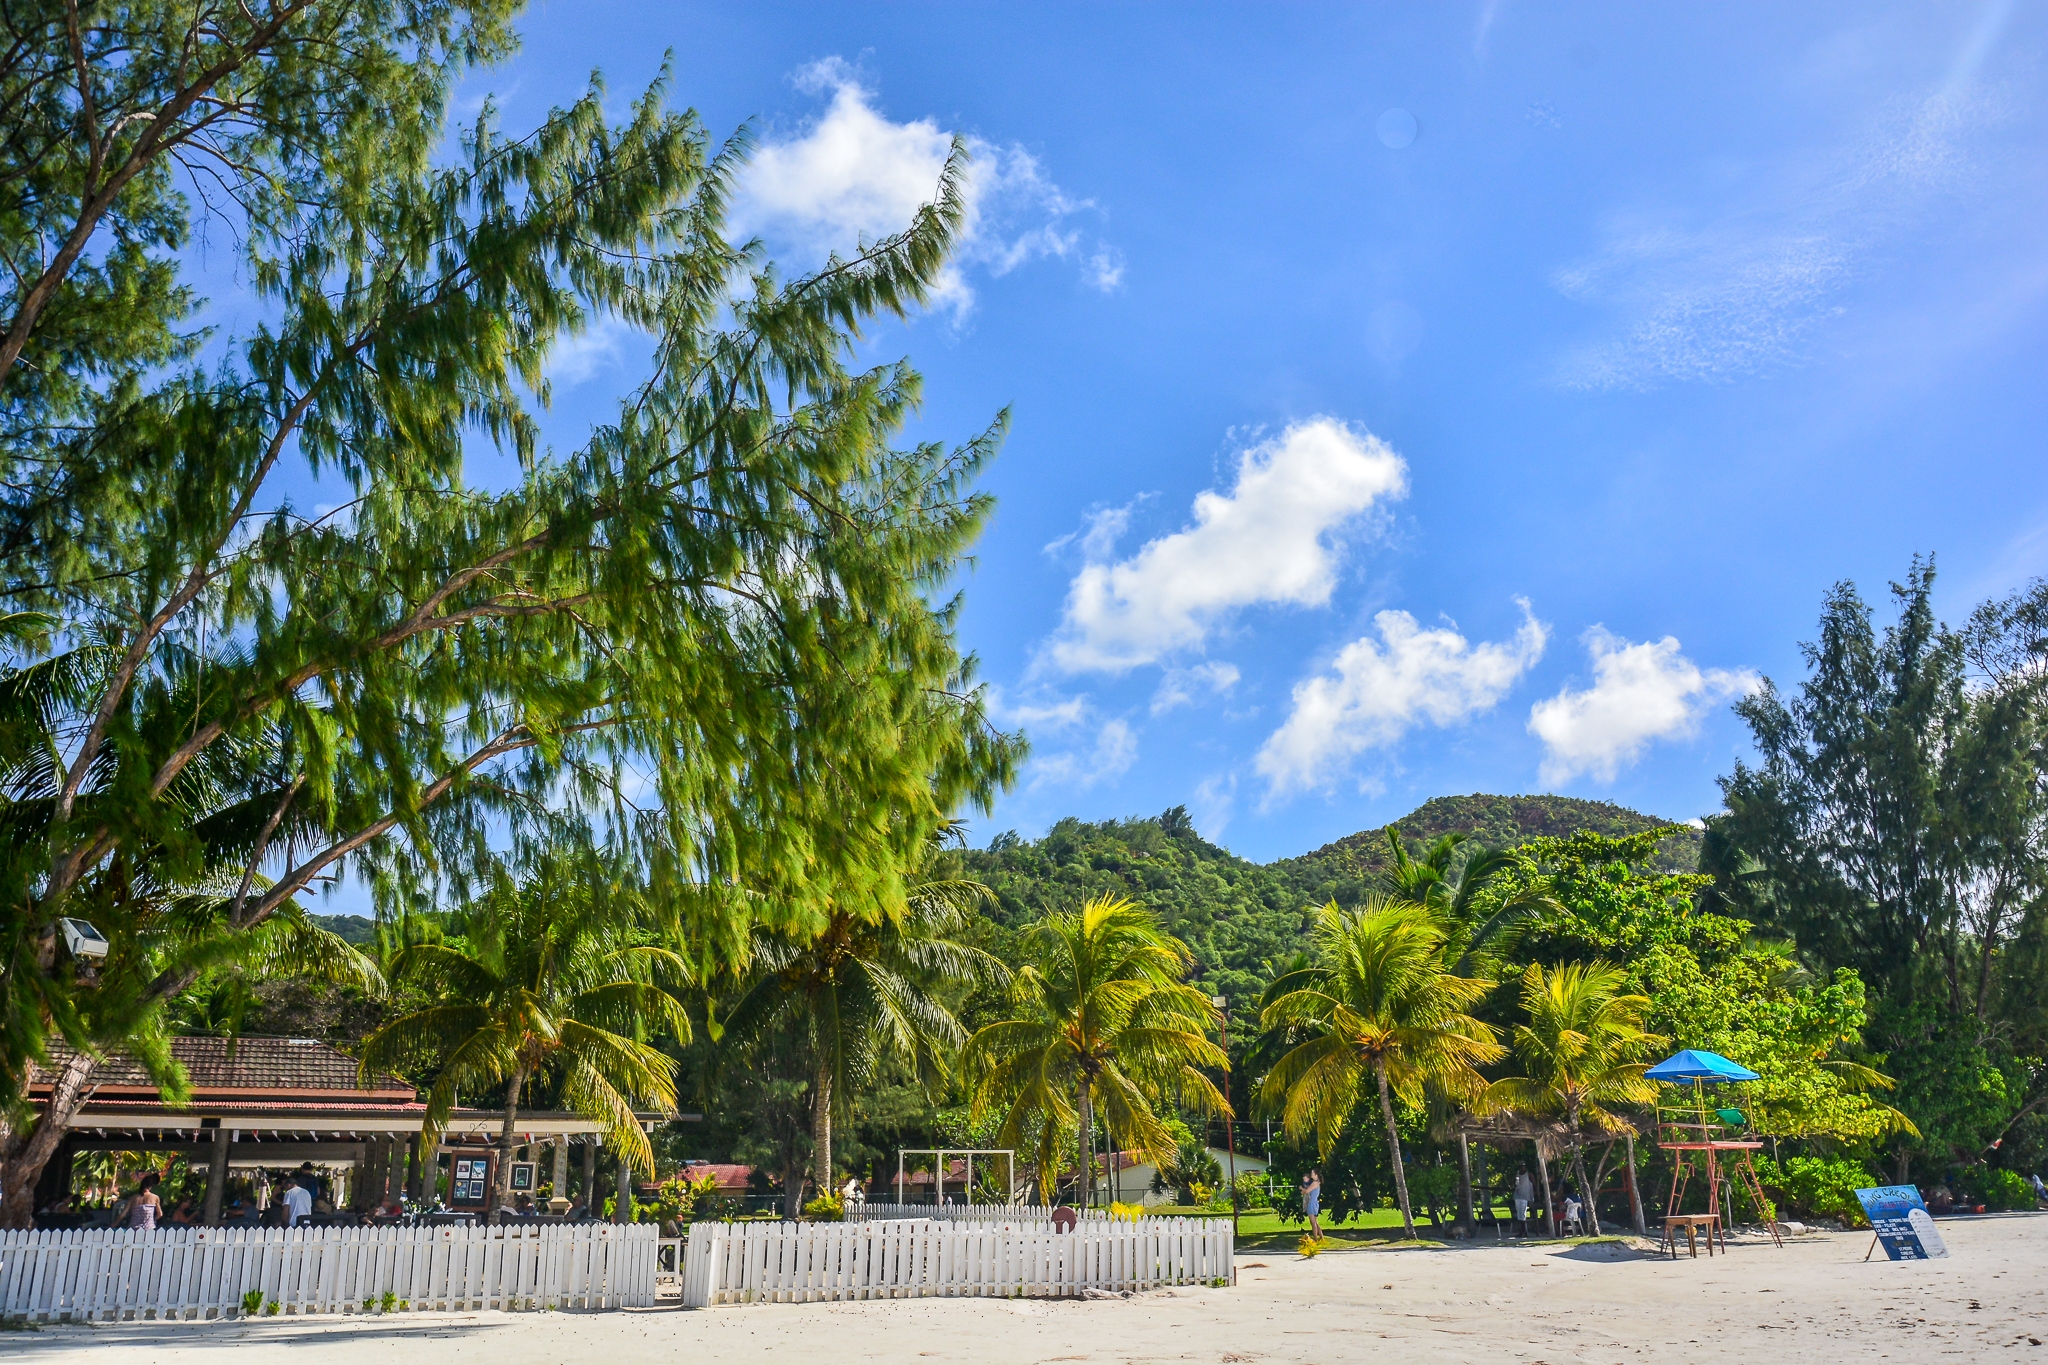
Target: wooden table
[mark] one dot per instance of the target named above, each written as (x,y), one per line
(1693,1223)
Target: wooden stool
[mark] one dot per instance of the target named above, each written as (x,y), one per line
(1693,1223)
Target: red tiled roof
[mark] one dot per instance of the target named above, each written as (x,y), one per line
(303,1066)
(730,1176)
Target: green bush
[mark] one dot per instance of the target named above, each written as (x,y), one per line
(1816,1187)
(826,1208)
(1251,1190)
(1996,1190)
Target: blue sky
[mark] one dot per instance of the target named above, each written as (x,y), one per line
(1411,400)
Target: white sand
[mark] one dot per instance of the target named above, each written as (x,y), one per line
(1814,1302)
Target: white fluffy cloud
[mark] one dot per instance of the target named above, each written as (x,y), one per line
(1381,689)
(1181,686)
(1640,693)
(1271,539)
(852,173)
(1116,749)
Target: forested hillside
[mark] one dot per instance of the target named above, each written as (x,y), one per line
(1238,916)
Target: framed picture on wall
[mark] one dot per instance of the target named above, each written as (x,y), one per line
(522,1175)
(463,1170)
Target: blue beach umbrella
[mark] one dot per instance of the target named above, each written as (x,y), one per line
(1691,1065)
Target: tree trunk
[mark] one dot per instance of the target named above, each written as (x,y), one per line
(1394,1148)
(1087,1136)
(29,1152)
(792,1189)
(622,1197)
(1586,1191)
(1465,1184)
(821,1129)
(502,1195)
(1635,1194)
(216,1177)
(1549,1204)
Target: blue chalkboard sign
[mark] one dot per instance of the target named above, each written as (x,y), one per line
(1902,1223)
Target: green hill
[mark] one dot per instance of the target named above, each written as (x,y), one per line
(1239,917)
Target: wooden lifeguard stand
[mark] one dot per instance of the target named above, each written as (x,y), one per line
(1700,1136)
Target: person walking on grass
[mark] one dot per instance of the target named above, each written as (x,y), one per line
(1312,1202)
(1525,1194)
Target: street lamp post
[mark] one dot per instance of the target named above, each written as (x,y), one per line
(1222,1004)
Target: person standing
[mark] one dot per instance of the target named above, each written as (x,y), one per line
(298,1202)
(144,1207)
(1312,1202)
(1525,1194)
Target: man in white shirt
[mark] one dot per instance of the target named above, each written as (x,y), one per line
(1524,1195)
(298,1203)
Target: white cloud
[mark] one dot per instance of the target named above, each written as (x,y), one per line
(852,174)
(584,355)
(1640,693)
(1180,686)
(1271,539)
(1040,711)
(1747,281)
(1214,801)
(1382,689)
(1116,749)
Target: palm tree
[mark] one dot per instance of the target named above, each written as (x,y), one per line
(543,983)
(1101,1020)
(865,988)
(1484,905)
(1381,1004)
(172,897)
(1584,1050)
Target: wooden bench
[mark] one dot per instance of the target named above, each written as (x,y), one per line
(1693,1223)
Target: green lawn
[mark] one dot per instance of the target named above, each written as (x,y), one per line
(1264,1230)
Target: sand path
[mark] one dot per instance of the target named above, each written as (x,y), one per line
(1812,1303)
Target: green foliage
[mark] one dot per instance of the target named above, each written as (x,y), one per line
(866,986)
(1999,1191)
(1896,822)
(711,636)
(1816,1187)
(554,983)
(1583,1050)
(826,1208)
(1192,1167)
(1100,1021)
(1380,1007)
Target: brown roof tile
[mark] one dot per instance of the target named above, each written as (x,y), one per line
(216,1064)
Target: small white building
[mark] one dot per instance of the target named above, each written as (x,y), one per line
(1131,1179)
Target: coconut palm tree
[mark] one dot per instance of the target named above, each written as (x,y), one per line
(1379,1006)
(1584,1050)
(863,988)
(542,983)
(1101,1021)
(1486,901)
(171,898)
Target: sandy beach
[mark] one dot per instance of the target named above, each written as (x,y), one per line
(1813,1301)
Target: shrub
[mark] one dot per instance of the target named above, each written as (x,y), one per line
(826,1208)
(1251,1191)
(1996,1190)
(1311,1246)
(1816,1187)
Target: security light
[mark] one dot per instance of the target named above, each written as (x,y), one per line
(82,939)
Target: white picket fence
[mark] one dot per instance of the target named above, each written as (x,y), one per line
(802,1262)
(872,1210)
(195,1273)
